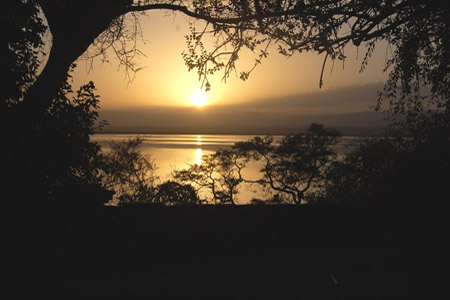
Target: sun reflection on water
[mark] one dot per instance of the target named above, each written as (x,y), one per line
(199,152)
(198,156)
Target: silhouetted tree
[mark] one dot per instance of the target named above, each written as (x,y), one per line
(129,173)
(64,137)
(219,173)
(58,152)
(407,167)
(295,165)
(362,175)
(45,154)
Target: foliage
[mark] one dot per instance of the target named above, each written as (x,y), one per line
(128,172)
(405,168)
(276,199)
(220,173)
(131,175)
(58,151)
(21,45)
(66,153)
(41,155)
(297,164)
(362,175)
(420,63)
(174,193)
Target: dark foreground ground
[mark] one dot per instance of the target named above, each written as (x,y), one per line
(224,252)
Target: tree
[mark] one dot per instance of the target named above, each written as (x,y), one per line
(41,156)
(64,137)
(58,152)
(363,175)
(295,165)
(129,173)
(417,30)
(407,166)
(220,173)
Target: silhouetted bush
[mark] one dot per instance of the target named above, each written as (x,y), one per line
(276,199)
(174,193)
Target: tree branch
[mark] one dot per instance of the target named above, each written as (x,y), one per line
(211,19)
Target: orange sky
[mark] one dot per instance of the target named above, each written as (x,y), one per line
(165,79)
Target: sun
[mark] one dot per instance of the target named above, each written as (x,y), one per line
(199,98)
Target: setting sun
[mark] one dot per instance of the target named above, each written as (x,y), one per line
(198,98)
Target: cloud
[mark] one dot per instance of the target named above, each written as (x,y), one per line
(333,101)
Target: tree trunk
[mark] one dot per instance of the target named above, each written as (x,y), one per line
(231,197)
(74,26)
(294,198)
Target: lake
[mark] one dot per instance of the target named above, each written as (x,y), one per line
(177,151)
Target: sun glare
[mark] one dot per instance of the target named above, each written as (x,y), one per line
(198,98)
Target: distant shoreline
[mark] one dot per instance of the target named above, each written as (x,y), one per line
(348,131)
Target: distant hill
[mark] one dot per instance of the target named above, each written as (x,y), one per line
(191,122)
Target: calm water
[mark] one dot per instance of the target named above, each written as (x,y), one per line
(177,151)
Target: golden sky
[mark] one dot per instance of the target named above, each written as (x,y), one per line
(165,80)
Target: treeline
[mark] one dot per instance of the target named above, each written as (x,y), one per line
(291,168)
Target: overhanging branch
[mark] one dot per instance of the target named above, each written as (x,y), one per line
(211,19)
